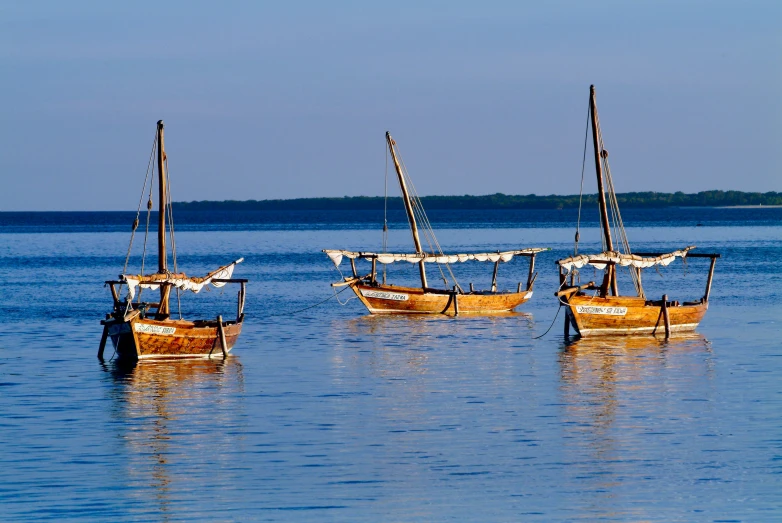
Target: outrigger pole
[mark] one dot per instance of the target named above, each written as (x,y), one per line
(610,270)
(408,208)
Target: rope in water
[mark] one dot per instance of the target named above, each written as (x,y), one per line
(287,313)
(561,303)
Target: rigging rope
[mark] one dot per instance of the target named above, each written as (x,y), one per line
(420,213)
(170,215)
(616,216)
(138,209)
(149,214)
(581,192)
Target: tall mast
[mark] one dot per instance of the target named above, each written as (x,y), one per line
(601,197)
(408,208)
(162,267)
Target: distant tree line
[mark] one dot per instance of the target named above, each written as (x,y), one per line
(494,201)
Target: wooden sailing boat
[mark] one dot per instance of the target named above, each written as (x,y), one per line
(605,311)
(142,330)
(382,298)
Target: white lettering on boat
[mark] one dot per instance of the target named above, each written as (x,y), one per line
(153,329)
(384,295)
(589,309)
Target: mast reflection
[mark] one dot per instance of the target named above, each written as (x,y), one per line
(167,410)
(612,389)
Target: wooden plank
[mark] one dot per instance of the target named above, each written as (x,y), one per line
(689,254)
(221,332)
(530,278)
(708,281)
(102,345)
(572,290)
(114,294)
(494,276)
(666,318)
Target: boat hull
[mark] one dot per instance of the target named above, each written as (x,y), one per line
(393,299)
(144,338)
(620,315)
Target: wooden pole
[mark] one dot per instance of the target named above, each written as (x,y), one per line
(244,297)
(408,208)
(666,319)
(221,332)
(455,301)
(494,276)
(600,191)
(531,272)
(102,345)
(163,309)
(708,281)
(114,294)
(374,270)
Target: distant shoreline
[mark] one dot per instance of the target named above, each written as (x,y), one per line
(732,199)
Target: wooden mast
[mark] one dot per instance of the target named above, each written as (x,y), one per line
(611,272)
(408,208)
(163,310)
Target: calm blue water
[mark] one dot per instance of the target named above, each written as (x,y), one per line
(332,415)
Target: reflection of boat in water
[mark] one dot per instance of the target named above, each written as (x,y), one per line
(161,374)
(623,399)
(596,372)
(615,345)
(169,412)
(406,345)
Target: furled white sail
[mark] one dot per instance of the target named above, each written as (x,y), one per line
(180,280)
(599,261)
(385,258)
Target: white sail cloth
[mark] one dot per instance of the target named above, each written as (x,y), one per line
(180,281)
(599,261)
(385,258)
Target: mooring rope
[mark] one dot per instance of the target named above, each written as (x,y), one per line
(552,323)
(288,313)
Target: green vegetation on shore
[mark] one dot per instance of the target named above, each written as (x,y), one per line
(494,201)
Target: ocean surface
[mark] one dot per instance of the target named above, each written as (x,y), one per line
(324,413)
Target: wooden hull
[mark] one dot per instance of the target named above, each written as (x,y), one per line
(393,299)
(144,338)
(624,315)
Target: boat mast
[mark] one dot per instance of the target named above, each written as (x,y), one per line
(163,310)
(610,270)
(408,208)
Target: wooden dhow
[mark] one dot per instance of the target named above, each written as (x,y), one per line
(382,298)
(599,309)
(143,330)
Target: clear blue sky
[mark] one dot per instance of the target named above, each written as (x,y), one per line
(292,98)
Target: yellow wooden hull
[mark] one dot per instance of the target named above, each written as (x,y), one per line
(623,315)
(393,299)
(145,338)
